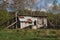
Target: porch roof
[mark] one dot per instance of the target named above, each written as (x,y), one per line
(33,14)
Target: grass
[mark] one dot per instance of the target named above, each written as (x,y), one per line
(29,34)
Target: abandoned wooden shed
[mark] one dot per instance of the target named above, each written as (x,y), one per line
(33,21)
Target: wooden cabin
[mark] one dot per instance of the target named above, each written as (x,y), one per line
(32,21)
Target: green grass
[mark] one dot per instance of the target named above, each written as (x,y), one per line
(29,34)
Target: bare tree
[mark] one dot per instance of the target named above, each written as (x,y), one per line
(55,4)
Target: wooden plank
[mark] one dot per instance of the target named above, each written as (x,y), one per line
(11,25)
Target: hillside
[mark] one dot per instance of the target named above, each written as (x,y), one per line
(41,34)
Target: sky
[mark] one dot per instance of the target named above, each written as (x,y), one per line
(58,1)
(41,1)
(44,4)
(39,4)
